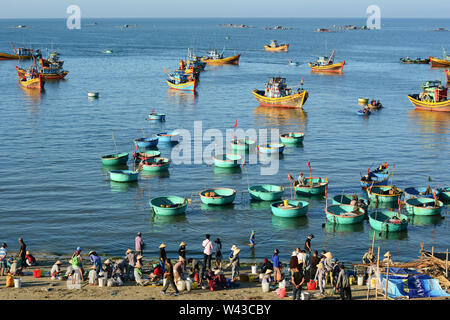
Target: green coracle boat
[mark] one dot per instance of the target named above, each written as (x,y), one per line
(292,137)
(242,144)
(344,214)
(156,164)
(313,186)
(266,192)
(123,175)
(169,206)
(388,221)
(218,196)
(346,199)
(115,159)
(380,194)
(444,194)
(227,160)
(424,206)
(295,208)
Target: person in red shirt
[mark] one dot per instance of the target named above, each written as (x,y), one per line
(30,260)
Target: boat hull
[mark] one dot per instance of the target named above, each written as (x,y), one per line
(242,145)
(439,63)
(332,68)
(156,204)
(271,148)
(447,75)
(228,60)
(187,86)
(346,199)
(7,56)
(293,101)
(123,175)
(341,214)
(168,137)
(317,188)
(146,143)
(292,137)
(413,206)
(115,159)
(266,192)
(375,196)
(299,209)
(281,48)
(222,196)
(227,160)
(152,165)
(443,106)
(379,220)
(35,83)
(46,76)
(159,117)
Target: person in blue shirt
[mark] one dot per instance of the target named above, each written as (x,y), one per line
(252,239)
(96,260)
(276,266)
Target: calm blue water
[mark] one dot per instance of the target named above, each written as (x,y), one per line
(55,193)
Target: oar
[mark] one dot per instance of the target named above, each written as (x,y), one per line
(115,144)
(342,197)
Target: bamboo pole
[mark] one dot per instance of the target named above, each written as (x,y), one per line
(432,251)
(378,265)
(115,144)
(387,282)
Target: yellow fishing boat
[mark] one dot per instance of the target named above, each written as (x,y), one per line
(19,53)
(432,98)
(216,58)
(277,94)
(274,46)
(447,74)
(439,63)
(32,80)
(325,64)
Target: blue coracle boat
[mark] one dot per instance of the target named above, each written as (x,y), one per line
(420,192)
(146,143)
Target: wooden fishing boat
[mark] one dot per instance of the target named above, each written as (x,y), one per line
(439,63)
(444,194)
(266,192)
(123,175)
(169,137)
(423,206)
(148,154)
(277,94)
(275,47)
(179,80)
(313,186)
(384,194)
(52,60)
(419,192)
(47,73)
(294,209)
(242,144)
(388,221)
(271,148)
(376,177)
(218,196)
(432,98)
(157,116)
(32,79)
(447,75)
(115,159)
(185,86)
(292,137)
(169,206)
(19,53)
(344,214)
(325,64)
(93,94)
(155,164)
(408,60)
(227,160)
(216,58)
(346,199)
(146,143)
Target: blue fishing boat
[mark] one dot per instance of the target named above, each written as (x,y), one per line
(363,112)
(376,177)
(169,137)
(271,148)
(146,143)
(157,116)
(419,192)
(179,80)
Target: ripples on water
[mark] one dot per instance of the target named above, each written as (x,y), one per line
(56,194)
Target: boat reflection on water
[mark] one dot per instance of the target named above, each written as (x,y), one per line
(274,116)
(235,171)
(107,169)
(227,207)
(155,174)
(422,221)
(280,224)
(430,122)
(401,235)
(168,220)
(268,158)
(382,205)
(117,187)
(260,205)
(343,228)
(182,97)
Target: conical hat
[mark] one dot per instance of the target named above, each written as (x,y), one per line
(329,255)
(387,254)
(162,245)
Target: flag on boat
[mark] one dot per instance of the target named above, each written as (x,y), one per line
(235,123)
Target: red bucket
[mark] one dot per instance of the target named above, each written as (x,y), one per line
(311,285)
(196,278)
(282,292)
(36,273)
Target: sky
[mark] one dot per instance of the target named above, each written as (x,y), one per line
(224,8)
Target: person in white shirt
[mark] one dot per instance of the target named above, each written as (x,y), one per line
(207,252)
(3,259)
(56,270)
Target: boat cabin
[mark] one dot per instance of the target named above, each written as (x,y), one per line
(274,44)
(214,54)
(276,87)
(24,52)
(433,91)
(178,77)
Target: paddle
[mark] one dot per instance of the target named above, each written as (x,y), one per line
(342,197)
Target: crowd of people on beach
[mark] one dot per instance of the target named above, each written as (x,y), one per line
(305,265)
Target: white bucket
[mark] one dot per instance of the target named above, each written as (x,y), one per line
(181,285)
(164,282)
(188,285)
(254,269)
(305,296)
(110,283)
(101,282)
(265,287)
(17,283)
(282,284)
(261,276)
(360,280)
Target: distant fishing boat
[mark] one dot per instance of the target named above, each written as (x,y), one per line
(123,175)
(49,69)
(423,206)
(218,196)
(179,80)
(313,186)
(292,137)
(291,209)
(388,221)
(115,159)
(408,60)
(271,148)
(107,51)
(439,63)
(325,64)
(277,94)
(433,97)
(215,58)
(19,53)
(93,94)
(266,192)
(157,116)
(169,206)
(292,63)
(344,214)
(275,47)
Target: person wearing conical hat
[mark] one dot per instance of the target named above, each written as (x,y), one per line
(267,278)
(162,253)
(234,263)
(56,270)
(178,269)
(328,262)
(387,258)
(107,268)
(130,262)
(95,260)
(182,250)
